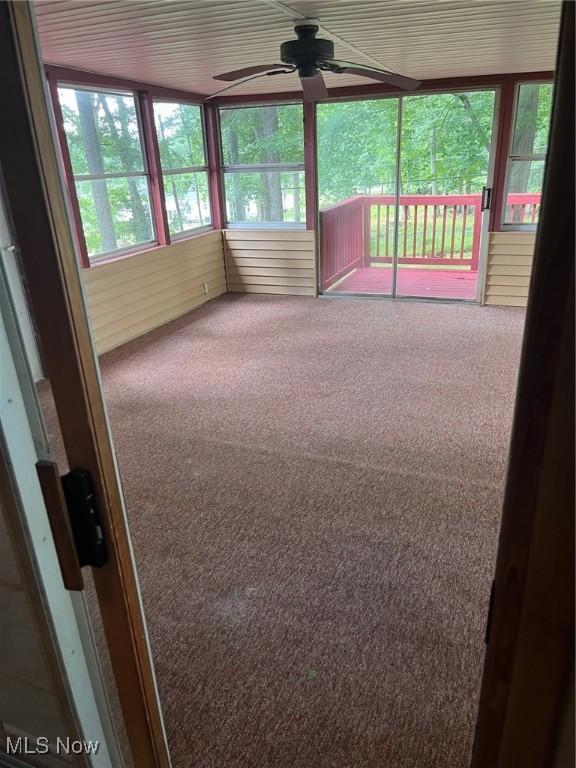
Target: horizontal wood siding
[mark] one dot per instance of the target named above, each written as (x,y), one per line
(132,296)
(509,267)
(271,261)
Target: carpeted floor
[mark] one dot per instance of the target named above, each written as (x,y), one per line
(313,488)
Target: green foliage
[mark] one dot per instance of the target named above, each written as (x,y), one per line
(445,144)
(356,148)
(180,137)
(532,121)
(263,136)
(187,201)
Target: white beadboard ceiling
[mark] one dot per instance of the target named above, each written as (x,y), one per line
(183,43)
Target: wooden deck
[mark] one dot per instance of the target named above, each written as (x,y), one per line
(424,283)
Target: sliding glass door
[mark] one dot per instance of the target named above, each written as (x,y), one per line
(357,173)
(444,162)
(400,185)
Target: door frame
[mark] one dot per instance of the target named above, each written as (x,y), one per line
(525,712)
(34,197)
(61,614)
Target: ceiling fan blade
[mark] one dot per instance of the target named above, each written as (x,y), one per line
(284,71)
(314,88)
(238,74)
(392,78)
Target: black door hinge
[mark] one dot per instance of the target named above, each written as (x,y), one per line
(490,611)
(84,518)
(486,198)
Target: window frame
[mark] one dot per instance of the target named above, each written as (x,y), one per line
(192,231)
(260,167)
(511,157)
(87,260)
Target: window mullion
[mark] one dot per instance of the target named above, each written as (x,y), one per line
(154,168)
(109,175)
(185,169)
(528,157)
(264,167)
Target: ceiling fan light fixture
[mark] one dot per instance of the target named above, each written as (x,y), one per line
(307,49)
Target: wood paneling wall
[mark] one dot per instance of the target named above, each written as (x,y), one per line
(271,261)
(131,296)
(509,268)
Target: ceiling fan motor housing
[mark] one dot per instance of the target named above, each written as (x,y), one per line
(305,52)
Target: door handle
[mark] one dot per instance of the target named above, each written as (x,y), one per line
(57,509)
(486,198)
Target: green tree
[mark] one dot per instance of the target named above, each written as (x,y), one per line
(263,136)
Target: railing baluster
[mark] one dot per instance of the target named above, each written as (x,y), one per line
(367,216)
(405,229)
(454,214)
(424,249)
(443,246)
(415,231)
(434,215)
(464,212)
(378,231)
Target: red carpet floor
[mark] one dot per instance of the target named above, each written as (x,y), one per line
(424,283)
(313,489)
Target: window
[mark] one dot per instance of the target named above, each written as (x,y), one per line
(527,156)
(263,159)
(184,169)
(110,174)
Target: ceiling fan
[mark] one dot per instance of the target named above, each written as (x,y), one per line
(310,56)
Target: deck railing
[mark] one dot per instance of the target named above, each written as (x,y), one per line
(522,208)
(443,230)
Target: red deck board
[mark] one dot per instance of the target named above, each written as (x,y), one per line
(424,283)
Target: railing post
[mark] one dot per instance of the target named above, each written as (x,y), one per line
(367,223)
(476,232)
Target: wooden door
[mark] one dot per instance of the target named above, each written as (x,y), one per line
(37,209)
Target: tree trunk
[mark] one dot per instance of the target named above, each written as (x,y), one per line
(524,136)
(95,166)
(198,200)
(172,184)
(196,188)
(140,215)
(271,180)
(237,209)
